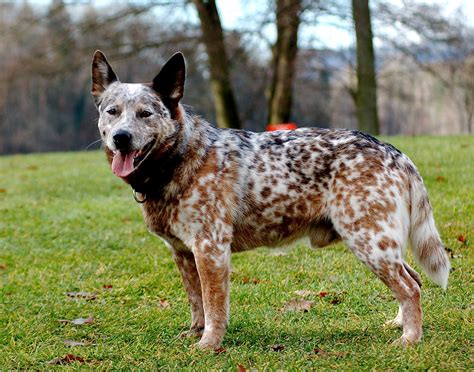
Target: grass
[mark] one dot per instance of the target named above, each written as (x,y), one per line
(67,224)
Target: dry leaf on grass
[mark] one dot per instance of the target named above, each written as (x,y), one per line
(462,239)
(72,343)
(82,295)
(107,287)
(78,321)
(278,348)
(220,350)
(335,300)
(247,280)
(298,305)
(163,304)
(3,266)
(241,368)
(67,359)
(319,351)
(323,353)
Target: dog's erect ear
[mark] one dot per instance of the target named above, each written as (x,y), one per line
(102,75)
(169,83)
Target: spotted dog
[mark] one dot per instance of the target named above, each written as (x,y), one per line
(208,192)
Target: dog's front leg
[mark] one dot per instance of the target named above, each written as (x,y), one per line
(213,264)
(187,268)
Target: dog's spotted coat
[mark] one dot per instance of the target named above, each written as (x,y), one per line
(209,192)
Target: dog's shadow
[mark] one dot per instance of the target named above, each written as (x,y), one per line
(264,336)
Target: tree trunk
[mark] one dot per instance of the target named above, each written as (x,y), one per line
(366,95)
(225,105)
(284,56)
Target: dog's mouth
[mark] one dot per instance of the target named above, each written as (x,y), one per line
(124,163)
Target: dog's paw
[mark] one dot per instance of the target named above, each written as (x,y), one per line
(207,344)
(405,341)
(193,332)
(393,323)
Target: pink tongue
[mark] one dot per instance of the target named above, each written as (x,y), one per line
(122,164)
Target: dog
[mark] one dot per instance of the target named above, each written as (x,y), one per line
(208,192)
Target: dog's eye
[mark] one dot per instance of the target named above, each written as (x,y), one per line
(145,114)
(112,111)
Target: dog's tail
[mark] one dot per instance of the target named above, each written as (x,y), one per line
(426,244)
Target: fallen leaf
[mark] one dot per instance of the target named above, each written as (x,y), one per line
(3,266)
(220,350)
(241,368)
(462,239)
(440,179)
(73,343)
(247,280)
(163,304)
(84,295)
(319,351)
(277,347)
(68,359)
(335,300)
(298,304)
(3,190)
(78,321)
(304,293)
(107,286)
(322,294)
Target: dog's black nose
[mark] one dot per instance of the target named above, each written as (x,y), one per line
(122,139)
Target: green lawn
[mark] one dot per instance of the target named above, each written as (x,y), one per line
(67,224)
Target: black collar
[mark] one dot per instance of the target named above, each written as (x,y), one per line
(155,172)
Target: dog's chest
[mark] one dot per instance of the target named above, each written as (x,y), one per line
(159,217)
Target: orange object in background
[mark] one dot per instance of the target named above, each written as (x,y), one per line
(286,126)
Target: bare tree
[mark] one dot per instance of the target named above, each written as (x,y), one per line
(366,93)
(284,56)
(213,38)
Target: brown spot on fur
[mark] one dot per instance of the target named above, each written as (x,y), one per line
(385,242)
(266,192)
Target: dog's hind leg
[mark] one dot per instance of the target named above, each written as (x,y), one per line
(413,273)
(378,242)
(389,267)
(187,268)
(397,322)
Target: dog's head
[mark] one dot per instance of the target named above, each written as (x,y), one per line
(134,119)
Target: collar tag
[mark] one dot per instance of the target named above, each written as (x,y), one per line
(139,197)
